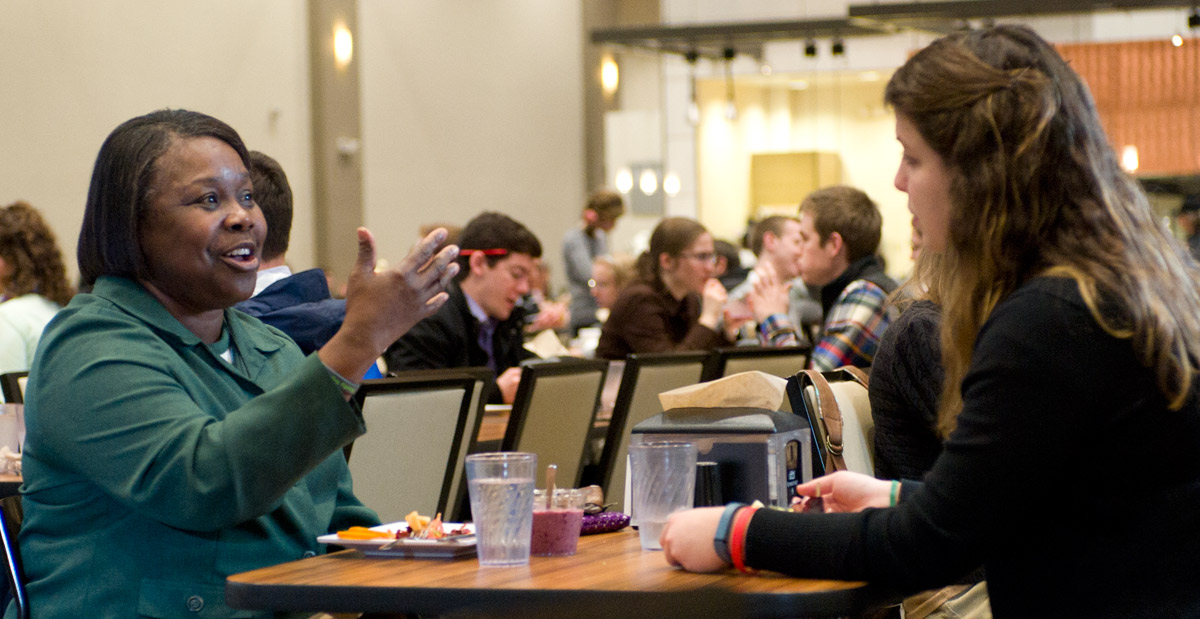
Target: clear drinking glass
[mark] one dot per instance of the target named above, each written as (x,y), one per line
(501,490)
(664,482)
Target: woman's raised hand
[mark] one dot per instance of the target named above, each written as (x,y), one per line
(381,307)
(712,303)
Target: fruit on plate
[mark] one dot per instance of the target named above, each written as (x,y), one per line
(365,533)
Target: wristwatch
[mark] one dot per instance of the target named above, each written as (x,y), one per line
(721,538)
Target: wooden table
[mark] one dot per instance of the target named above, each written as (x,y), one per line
(609,572)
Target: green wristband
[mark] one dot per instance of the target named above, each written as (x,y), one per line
(348,388)
(895,497)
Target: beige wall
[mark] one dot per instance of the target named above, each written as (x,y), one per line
(838,113)
(72,71)
(471,106)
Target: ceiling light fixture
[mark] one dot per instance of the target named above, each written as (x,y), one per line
(730,106)
(810,48)
(693,110)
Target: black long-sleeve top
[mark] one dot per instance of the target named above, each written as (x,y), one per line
(906,386)
(1068,477)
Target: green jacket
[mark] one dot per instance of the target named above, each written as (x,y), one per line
(154,468)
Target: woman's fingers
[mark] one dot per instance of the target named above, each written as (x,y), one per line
(364,262)
(433,273)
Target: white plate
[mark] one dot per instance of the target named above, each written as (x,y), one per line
(414,548)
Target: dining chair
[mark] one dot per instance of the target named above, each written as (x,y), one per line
(458,506)
(645,376)
(553,414)
(12,386)
(776,361)
(10,523)
(417,427)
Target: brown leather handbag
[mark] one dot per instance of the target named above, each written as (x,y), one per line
(823,396)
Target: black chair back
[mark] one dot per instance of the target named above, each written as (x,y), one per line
(776,361)
(646,375)
(12,386)
(553,414)
(417,427)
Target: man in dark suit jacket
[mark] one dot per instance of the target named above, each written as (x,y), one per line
(481,324)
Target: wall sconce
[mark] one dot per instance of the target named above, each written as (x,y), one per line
(624,180)
(648,182)
(343,46)
(810,48)
(1177,40)
(609,75)
(1194,19)
(838,48)
(1129,158)
(671,184)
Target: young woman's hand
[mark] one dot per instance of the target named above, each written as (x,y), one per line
(687,539)
(844,491)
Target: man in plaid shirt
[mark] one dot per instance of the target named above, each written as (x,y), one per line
(840,229)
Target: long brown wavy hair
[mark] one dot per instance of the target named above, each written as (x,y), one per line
(1036,190)
(28,246)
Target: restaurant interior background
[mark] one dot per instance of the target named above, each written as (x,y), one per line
(393,114)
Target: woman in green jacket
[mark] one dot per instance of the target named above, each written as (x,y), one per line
(172,441)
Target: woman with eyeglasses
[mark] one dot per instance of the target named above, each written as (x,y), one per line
(676,303)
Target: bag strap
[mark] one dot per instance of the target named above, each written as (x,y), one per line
(856,374)
(830,417)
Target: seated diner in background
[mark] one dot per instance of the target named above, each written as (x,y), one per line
(171,440)
(676,304)
(840,228)
(482,324)
(1070,343)
(33,284)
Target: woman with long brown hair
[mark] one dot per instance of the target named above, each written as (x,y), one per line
(1070,341)
(677,303)
(33,283)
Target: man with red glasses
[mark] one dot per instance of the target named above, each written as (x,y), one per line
(481,324)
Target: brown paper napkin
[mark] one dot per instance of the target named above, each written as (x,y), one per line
(748,389)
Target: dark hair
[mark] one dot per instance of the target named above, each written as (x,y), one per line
(496,231)
(608,204)
(273,195)
(851,213)
(997,105)
(728,251)
(109,241)
(672,236)
(28,246)
(773,224)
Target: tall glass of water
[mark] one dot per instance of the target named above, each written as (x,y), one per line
(501,489)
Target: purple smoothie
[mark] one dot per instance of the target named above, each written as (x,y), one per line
(555,531)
